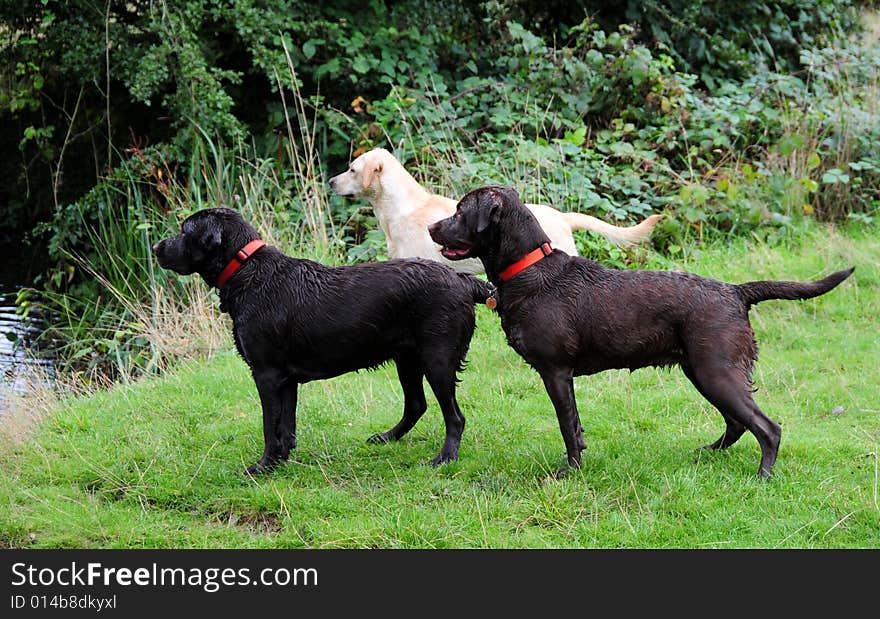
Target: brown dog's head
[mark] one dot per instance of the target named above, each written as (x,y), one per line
(465,234)
(475,231)
(208,240)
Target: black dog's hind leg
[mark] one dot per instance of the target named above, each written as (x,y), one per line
(409,371)
(278,400)
(560,388)
(442,381)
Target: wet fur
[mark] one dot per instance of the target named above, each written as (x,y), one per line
(295,321)
(568,316)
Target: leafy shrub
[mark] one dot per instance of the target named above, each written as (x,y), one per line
(730,41)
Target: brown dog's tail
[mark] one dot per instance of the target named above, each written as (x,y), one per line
(755,292)
(615,234)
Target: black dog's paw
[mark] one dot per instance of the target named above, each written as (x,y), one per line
(380,438)
(443,458)
(765,474)
(566,471)
(257,469)
(264,465)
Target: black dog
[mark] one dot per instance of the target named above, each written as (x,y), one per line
(568,316)
(295,321)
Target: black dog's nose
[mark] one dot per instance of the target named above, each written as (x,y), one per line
(156,247)
(434,227)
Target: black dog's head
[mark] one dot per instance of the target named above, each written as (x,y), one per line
(469,233)
(208,240)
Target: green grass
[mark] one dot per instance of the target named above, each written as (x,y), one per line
(158,463)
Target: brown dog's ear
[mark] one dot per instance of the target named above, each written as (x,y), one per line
(489,209)
(507,195)
(371,170)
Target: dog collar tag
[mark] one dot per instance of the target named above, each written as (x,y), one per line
(491,303)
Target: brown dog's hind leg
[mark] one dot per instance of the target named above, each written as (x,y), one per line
(729,390)
(731,434)
(734,429)
(560,388)
(409,372)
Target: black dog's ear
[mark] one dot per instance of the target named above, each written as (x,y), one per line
(210,239)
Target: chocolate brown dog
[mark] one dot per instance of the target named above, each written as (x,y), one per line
(296,321)
(568,316)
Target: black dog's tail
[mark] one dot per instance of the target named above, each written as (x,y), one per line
(755,292)
(481,290)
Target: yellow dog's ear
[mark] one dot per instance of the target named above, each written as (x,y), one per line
(371,170)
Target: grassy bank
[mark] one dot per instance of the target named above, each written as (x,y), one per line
(158,463)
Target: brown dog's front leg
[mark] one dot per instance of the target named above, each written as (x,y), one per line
(560,388)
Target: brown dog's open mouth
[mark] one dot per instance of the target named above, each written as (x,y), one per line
(455,253)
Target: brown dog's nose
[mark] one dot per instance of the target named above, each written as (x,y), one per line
(332,182)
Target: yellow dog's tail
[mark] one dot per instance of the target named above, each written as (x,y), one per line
(615,234)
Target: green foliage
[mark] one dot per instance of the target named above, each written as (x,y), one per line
(120,74)
(720,41)
(129,74)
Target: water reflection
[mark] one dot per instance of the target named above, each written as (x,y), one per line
(20,368)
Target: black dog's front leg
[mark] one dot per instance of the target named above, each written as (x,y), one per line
(287,435)
(560,388)
(278,400)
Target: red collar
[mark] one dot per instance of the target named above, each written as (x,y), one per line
(526,261)
(235,264)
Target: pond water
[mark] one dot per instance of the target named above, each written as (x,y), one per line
(19,366)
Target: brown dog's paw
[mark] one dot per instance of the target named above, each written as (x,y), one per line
(571,467)
(380,438)
(562,472)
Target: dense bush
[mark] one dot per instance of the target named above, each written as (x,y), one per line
(720,41)
(85,84)
(638,136)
